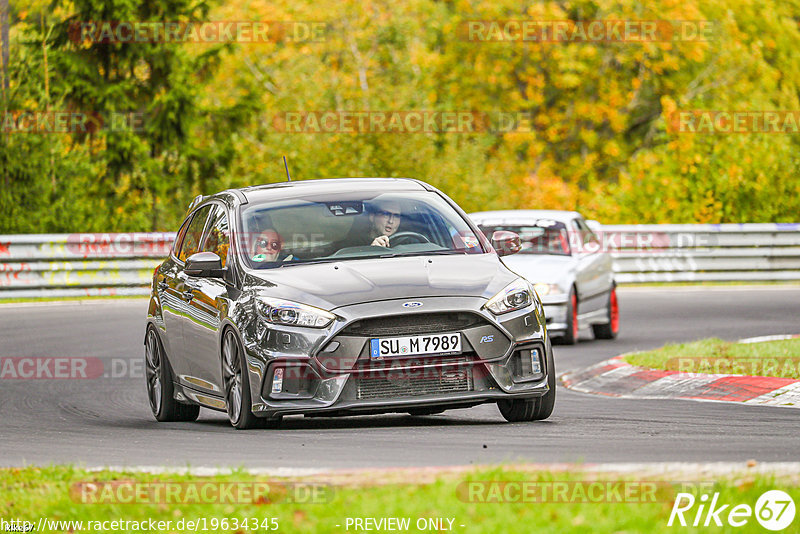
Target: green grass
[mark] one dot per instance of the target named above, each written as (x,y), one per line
(30,493)
(768,358)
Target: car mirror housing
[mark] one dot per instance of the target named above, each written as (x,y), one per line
(506,243)
(204,265)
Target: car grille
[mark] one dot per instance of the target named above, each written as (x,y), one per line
(425,380)
(417,323)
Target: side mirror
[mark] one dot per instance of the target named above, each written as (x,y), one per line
(204,265)
(506,243)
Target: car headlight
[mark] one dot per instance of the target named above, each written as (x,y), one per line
(515,296)
(278,311)
(547,289)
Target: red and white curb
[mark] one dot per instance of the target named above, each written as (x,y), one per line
(616,378)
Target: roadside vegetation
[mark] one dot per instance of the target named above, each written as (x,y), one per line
(64,493)
(597,113)
(779,358)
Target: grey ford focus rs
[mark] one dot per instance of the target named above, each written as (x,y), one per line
(342,297)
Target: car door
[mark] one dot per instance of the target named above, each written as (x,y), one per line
(171,301)
(593,269)
(206,306)
(181,296)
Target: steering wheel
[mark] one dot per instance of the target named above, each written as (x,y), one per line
(402,238)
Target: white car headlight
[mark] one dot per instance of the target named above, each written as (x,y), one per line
(279,311)
(547,289)
(515,296)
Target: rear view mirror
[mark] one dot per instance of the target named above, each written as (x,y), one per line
(506,243)
(204,265)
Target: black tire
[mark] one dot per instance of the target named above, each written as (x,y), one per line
(537,409)
(160,387)
(518,410)
(570,336)
(548,401)
(609,330)
(418,412)
(236,383)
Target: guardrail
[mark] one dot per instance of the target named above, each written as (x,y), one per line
(66,265)
(704,252)
(75,265)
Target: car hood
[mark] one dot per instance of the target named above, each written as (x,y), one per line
(544,268)
(343,283)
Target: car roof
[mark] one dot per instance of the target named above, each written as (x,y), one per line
(525,216)
(295,188)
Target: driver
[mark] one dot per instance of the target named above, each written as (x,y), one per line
(384,222)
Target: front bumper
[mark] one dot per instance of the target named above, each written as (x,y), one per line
(555,310)
(303,371)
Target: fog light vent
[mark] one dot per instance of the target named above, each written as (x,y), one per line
(535,361)
(277,380)
(526,364)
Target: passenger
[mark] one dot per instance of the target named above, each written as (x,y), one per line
(266,246)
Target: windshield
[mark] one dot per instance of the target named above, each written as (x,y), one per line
(543,236)
(352,226)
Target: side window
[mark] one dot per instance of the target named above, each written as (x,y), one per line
(176,246)
(575,239)
(589,236)
(588,239)
(191,241)
(218,236)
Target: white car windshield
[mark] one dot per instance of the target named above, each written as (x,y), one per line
(357,225)
(539,237)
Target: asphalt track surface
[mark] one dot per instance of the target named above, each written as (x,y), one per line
(107,422)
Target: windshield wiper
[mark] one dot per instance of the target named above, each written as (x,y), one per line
(308,262)
(428,253)
(359,257)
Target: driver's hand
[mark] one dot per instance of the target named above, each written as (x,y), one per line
(381,241)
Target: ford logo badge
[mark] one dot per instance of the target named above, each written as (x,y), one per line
(412,304)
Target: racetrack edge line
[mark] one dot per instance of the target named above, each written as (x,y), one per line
(616,378)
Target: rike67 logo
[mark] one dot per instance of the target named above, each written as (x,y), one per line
(774,510)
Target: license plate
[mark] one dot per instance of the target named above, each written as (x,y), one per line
(411,345)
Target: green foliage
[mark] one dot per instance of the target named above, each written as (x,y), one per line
(599,112)
(107,177)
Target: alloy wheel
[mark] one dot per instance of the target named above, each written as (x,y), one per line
(232,377)
(153,362)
